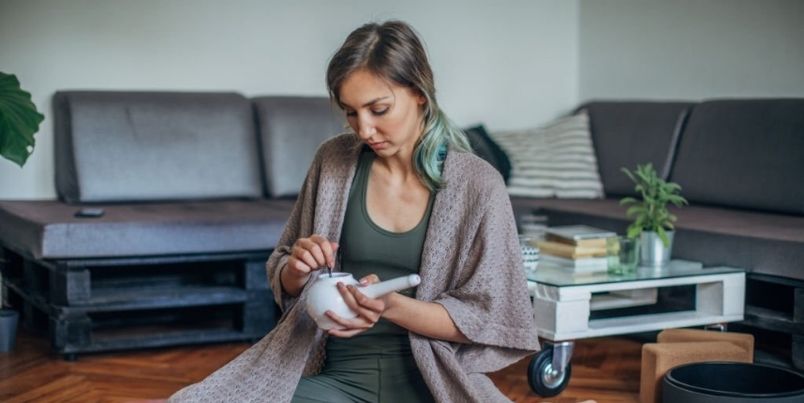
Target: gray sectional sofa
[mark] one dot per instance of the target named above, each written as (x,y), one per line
(741,165)
(195,188)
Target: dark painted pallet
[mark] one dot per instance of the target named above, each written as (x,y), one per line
(68,284)
(772,320)
(768,307)
(109,300)
(92,305)
(158,329)
(82,331)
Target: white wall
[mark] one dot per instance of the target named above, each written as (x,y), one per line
(508,64)
(691,49)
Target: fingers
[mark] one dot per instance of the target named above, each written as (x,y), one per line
(370,279)
(310,254)
(359,303)
(327,249)
(375,305)
(315,251)
(347,327)
(298,267)
(368,310)
(357,323)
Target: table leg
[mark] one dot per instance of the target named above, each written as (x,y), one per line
(720,327)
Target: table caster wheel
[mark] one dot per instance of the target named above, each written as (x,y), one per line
(545,380)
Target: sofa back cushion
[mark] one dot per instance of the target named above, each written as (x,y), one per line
(291,129)
(138,146)
(744,153)
(555,160)
(629,133)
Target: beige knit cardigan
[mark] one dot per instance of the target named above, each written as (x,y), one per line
(471,265)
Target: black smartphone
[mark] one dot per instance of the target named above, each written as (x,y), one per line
(89,212)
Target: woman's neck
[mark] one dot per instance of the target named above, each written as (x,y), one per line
(400,165)
(398,168)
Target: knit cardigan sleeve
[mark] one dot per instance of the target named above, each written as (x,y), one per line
(300,224)
(489,302)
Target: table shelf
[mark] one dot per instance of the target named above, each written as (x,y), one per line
(563,308)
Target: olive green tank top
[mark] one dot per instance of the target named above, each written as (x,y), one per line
(367,248)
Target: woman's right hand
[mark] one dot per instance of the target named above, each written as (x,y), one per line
(306,256)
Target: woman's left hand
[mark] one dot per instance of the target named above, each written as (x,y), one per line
(369,310)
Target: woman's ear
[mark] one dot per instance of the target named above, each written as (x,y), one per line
(421,99)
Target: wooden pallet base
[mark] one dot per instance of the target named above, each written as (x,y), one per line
(777,304)
(87,306)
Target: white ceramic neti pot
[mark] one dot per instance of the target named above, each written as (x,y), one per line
(324,295)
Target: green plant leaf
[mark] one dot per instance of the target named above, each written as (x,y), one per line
(651,212)
(634,231)
(628,173)
(19,120)
(633,211)
(677,200)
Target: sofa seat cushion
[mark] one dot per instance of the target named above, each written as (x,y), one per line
(763,243)
(49,230)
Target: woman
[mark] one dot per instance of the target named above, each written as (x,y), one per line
(403,193)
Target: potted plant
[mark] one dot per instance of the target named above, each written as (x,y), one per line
(19,120)
(653,223)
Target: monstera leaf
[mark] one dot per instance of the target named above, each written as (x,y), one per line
(19,120)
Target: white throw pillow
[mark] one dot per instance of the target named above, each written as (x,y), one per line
(557,160)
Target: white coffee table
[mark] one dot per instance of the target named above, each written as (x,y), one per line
(563,303)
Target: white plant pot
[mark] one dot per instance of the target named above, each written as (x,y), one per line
(653,253)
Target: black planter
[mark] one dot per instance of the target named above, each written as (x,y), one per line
(721,382)
(8,329)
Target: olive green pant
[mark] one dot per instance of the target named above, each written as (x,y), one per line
(375,378)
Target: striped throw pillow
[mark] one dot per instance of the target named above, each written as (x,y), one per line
(557,160)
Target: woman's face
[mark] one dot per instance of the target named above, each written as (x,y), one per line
(386,116)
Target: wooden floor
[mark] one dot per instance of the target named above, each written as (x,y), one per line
(604,370)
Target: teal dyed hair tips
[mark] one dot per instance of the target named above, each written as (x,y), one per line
(439,135)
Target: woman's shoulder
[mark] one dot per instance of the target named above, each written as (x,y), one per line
(472,168)
(470,173)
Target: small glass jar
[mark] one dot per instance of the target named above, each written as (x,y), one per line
(623,255)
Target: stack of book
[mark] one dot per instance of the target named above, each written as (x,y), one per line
(576,248)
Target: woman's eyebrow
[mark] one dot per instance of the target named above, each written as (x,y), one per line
(369,103)
(375,100)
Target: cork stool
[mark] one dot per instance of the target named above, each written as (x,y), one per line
(675,347)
